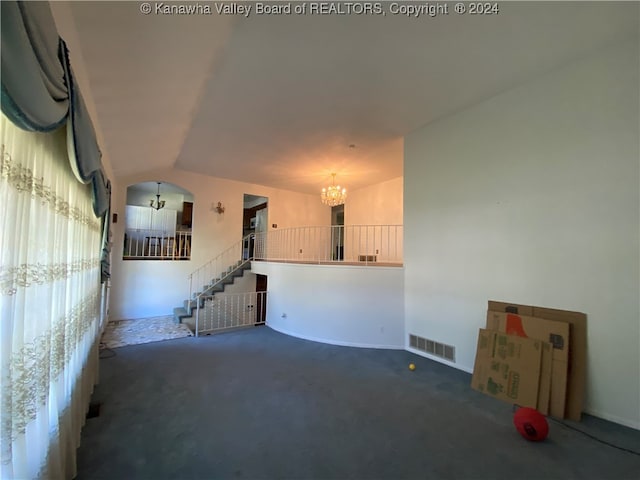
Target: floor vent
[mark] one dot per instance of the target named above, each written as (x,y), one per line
(448,352)
(94,410)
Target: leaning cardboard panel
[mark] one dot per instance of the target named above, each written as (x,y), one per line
(510,308)
(557,334)
(546,365)
(507,367)
(577,349)
(577,356)
(544,390)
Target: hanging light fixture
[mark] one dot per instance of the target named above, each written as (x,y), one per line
(157,203)
(333,195)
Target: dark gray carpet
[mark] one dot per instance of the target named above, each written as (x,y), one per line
(256,404)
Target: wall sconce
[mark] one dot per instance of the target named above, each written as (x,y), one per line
(219,208)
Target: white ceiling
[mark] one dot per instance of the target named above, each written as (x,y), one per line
(279,100)
(151,188)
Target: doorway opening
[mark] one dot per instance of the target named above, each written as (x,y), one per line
(158,222)
(337,233)
(261,293)
(254,221)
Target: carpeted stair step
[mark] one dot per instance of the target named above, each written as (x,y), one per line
(179,313)
(240,271)
(235,271)
(193,304)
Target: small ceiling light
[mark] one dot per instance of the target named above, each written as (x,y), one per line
(219,208)
(157,203)
(333,195)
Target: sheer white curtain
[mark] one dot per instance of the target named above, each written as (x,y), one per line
(49,304)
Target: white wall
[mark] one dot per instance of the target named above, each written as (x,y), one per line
(337,304)
(144,288)
(533,197)
(172,200)
(379,204)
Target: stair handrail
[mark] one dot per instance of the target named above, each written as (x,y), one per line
(207,276)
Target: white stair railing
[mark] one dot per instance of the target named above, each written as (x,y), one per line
(230,310)
(359,244)
(202,280)
(147,244)
(353,244)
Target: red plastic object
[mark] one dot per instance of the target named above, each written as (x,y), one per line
(531,424)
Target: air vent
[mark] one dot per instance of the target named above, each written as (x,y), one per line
(437,349)
(94,410)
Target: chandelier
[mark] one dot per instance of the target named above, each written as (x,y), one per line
(333,195)
(157,203)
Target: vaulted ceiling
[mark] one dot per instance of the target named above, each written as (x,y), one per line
(285,100)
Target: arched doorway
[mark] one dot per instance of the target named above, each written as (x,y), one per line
(158,222)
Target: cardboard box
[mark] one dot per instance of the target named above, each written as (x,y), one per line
(507,367)
(510,308)
(577,349)
(544,389)
(555,333)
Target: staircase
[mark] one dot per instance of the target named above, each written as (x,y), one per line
(214,276)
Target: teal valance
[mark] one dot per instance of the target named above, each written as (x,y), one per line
(40,94)
(39,91)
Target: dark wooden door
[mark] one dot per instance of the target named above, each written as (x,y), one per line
(261,286)
(187,214)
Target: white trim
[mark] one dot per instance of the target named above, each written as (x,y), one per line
(613,418)
(346,265)
(439,360)
(335,342)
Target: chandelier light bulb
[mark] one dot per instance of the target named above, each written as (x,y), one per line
(333,195)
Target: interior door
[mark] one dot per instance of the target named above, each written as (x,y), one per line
(337,233)
(261,307)
(254,222)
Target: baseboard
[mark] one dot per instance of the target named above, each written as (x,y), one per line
(604,416)
(336,342)
(439,360)
(613,418)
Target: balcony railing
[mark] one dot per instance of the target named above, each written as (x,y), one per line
(144,244)
(224,311)
(353,244)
